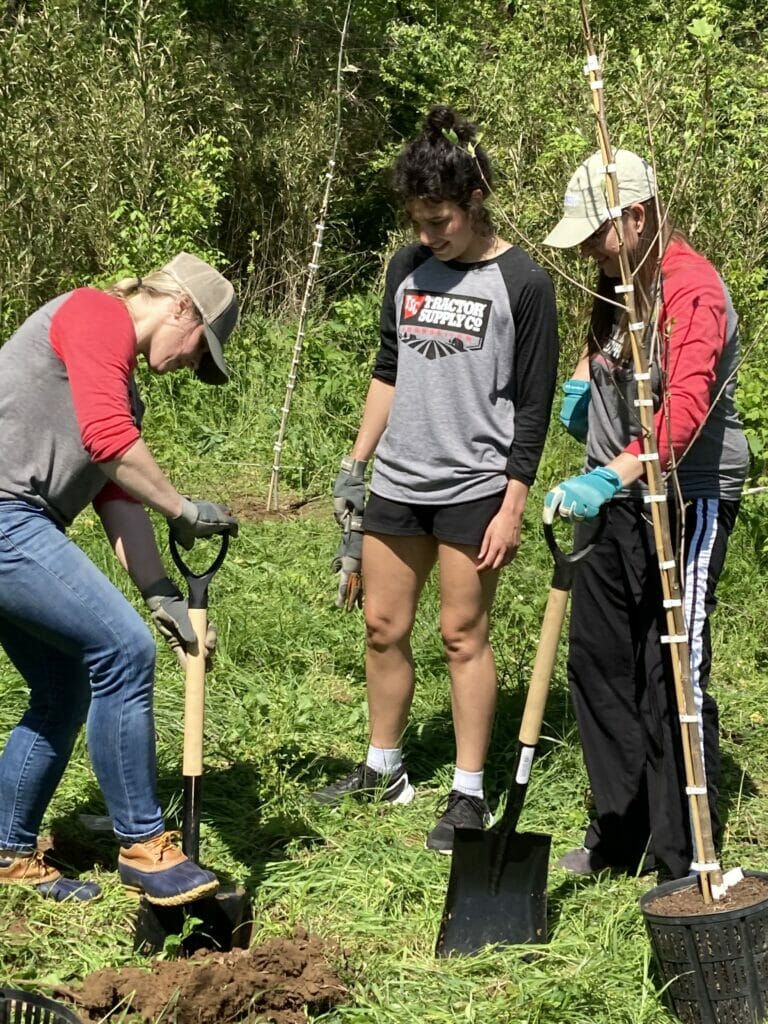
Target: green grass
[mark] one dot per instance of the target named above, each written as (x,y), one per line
(286,711)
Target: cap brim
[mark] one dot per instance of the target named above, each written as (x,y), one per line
(570,231)
(213,367)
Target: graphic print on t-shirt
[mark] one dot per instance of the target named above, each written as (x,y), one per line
(438,324)
(618,366)
(611,355)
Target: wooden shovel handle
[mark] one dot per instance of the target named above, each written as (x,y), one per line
(194,696)
(194,684)
(552,626)
(538,688)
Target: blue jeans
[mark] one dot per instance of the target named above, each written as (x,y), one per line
(87,656)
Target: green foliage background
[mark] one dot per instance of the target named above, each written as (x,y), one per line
(131,129)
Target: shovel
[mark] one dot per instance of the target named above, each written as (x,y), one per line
(221,921)
(497,890)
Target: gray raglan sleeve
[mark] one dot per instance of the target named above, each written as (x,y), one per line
(537,352)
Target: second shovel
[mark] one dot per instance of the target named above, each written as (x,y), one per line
(497,890)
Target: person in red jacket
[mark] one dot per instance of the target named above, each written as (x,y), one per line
(71,425)
(619,675)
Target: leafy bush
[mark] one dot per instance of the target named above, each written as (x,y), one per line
(103,163)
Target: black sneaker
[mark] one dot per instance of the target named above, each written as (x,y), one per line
(461,811)
(366,784)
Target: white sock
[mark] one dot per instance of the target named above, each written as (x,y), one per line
(470,783)
(384,760)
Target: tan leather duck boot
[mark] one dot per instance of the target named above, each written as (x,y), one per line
(159,871)
(33,870)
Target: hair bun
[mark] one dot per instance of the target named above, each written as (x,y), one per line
(442,119)
(437,166)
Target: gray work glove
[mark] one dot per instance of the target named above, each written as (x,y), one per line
(348,561)
(170,615)
(201,519)
(349,490)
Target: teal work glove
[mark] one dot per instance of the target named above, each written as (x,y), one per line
(349,489)
(581,497)
(348,561)
(201,519)
(574,412)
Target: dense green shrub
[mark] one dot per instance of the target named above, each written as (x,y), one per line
(113,150)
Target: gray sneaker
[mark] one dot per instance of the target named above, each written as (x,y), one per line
(366,784)
(582,861)
(461,811)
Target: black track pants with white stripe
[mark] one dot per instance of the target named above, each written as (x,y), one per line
(622,688)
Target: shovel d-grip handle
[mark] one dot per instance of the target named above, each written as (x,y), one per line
(198,582)
(194,691)
(566,560)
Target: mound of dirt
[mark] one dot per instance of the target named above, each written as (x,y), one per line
(273,982)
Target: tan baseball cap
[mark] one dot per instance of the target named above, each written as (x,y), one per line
(215,298)
(586,199)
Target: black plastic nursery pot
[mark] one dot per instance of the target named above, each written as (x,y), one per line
(18,1007)
(714,965)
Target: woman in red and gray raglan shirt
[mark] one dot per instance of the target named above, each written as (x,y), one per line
(71,420)
(619,675)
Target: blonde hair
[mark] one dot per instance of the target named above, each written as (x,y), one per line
(156,284)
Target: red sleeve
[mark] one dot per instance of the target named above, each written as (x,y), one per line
(111,492)
(692,326)
(93,335)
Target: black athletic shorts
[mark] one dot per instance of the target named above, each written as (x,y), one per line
(462,523)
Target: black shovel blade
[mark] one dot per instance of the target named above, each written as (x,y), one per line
(511,912)
(222,922)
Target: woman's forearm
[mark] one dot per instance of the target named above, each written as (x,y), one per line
(140,476)
(130,533)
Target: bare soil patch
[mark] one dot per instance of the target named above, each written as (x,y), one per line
(280,982)
(250,509)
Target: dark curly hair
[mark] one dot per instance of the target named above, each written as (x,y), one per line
(434,168)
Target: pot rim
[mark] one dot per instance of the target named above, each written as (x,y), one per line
(688,882)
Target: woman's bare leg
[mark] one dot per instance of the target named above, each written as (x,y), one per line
(395,570)
(466,597)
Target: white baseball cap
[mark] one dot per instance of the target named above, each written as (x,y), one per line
(586,199)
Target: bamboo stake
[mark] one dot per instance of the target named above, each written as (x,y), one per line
(273,501)
(706,865)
